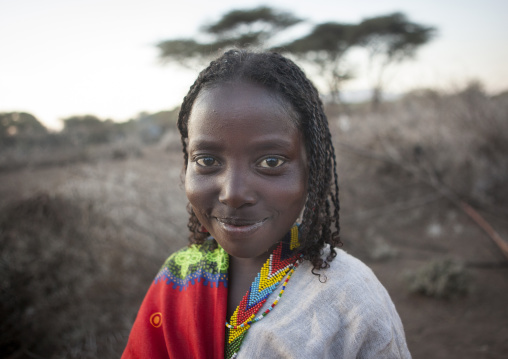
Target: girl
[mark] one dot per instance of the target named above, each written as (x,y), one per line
(257,281)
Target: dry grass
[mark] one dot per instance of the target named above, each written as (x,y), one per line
(77,260)
(56,269)
(59,150)
(460,139)
(80,244)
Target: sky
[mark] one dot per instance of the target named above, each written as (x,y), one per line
(60,58)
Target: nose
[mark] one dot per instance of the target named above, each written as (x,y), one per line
(237,189)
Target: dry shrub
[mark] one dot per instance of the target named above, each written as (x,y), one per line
(39,151)
(63,290)
(58,149)
(460,139)
(444,278)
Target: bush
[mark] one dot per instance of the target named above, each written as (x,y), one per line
(62,282)
(440,279)
(458,139)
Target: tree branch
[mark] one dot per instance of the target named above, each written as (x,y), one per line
(440,187)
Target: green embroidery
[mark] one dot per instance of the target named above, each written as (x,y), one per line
(218,257)
(187,258)
(196,263)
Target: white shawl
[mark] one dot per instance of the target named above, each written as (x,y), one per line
(351,315)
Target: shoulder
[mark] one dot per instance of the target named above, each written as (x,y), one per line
(354,298)
(344,271)
(195,262)
(365,305)
(353,285)
(348,315)
(351,273)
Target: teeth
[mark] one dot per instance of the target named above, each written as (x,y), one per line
(238,223)
(239,227)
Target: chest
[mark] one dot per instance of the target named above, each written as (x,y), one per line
(238,285)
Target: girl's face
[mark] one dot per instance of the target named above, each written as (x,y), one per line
(246,177)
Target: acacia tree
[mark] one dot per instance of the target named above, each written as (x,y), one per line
(390,39)
(20,123)
(326,47)
(237,28)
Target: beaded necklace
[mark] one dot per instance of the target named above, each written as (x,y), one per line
(282,263)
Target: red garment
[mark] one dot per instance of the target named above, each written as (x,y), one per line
(184,311)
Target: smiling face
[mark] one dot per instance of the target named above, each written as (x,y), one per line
(247,172)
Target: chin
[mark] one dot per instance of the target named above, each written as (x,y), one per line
(240,251)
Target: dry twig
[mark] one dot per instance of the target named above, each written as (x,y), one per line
(424,173)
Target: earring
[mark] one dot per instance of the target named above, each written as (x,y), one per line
(203,229)
(299,220)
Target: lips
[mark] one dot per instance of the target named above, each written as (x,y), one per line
(240,225)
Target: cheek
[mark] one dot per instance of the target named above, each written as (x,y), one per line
(199,192)
(290,196)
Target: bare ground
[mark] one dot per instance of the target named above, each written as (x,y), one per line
(390,220)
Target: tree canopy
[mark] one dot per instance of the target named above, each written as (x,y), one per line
(20,123)
(325,46)
(262,22)
(387,39)
(237,28)
(78,123)
(391,39)
(393,36)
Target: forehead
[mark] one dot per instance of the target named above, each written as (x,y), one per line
(240,104)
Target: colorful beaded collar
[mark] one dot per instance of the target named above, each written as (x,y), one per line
(281,264)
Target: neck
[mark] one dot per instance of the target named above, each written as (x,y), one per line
(242,267)
(242,272)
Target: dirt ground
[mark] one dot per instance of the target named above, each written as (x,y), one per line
(391,221)
(415,226)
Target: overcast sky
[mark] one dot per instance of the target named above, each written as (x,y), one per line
(71,57)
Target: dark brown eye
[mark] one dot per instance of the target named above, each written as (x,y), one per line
(206,161)
(271,162)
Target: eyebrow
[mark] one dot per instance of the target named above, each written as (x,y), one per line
(201,144)
(261,145)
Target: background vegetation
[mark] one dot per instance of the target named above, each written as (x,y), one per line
(88,214)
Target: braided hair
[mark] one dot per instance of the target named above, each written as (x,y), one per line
(284,77)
